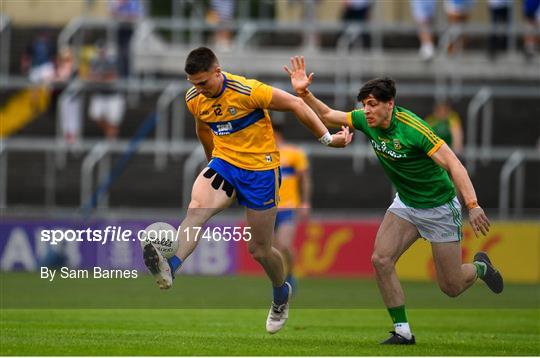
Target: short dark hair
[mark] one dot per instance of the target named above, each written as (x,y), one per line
(383,89)
(200,60)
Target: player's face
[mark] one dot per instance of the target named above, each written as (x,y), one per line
(207,83)
(377,112)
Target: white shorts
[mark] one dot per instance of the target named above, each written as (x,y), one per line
(109,107)
(42,73)
(70,115)
(439,224)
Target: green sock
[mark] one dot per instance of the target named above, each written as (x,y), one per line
(480,268)
(398,314)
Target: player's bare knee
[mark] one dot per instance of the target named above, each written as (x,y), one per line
(195,204)
(258,251)
(196,214)
(260,254)
(382,263)
(450,289)
(279,245)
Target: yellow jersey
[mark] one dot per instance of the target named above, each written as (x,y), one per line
(293,161)
(240,123)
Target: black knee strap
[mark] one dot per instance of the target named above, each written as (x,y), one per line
(228,188)
(218,180)
(209,173)
(216,183)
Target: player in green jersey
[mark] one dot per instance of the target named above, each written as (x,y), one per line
(426,174)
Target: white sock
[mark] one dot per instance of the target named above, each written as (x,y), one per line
(403,329)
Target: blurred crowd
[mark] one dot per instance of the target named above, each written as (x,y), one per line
(458,13)
(102,63)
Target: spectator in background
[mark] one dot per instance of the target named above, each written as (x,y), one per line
(458,12)
(69,103)
(531,11)
(500,11)
(424,13)
(127,13)
(107,104)
(65,65)
(447,125)
(295,199)
(38,59)
(357,11)
(221,14)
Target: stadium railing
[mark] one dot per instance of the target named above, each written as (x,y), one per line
(173,115)
(167,143)
(97,152)
(244,56)
(5,44)
(515,163)
(151,54)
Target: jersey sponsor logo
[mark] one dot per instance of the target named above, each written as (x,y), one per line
(204,113)
(383,148)
(223,129)
(235,125)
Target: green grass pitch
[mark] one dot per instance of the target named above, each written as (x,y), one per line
(226,316)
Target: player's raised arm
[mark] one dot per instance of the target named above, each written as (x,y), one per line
(300,83)
(448,160)
(283,101)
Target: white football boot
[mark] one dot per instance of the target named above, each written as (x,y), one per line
(278,314)
(158,266)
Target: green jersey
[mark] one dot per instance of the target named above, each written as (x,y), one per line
(404,150)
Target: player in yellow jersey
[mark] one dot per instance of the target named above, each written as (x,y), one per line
(233,125)
(294,196)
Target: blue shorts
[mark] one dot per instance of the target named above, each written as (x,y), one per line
(255,189)
(284,216)
(462,7)
(423,10)
(531,9)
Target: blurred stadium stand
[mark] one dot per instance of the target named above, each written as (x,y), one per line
(498,100)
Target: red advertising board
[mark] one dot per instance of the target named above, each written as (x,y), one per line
(326,248)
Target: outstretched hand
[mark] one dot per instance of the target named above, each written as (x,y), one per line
(479,221)
(299,80)
(342,138)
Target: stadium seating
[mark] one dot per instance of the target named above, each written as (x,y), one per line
(263,56)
